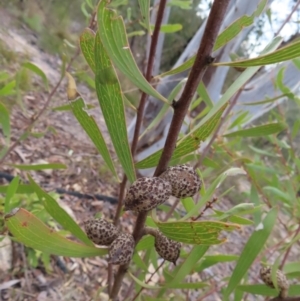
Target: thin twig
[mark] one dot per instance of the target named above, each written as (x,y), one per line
(288,250)
(287,19)
(209,205)
(139,292)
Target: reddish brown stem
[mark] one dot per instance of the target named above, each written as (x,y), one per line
(140,111)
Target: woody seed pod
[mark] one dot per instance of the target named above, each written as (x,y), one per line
(100,231)
(282,282)
(121,250)
(184,180)
(167,248)
(147,193)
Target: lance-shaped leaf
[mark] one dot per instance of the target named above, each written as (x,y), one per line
(39,166)
(11,190)
(90,126)
(285,53)
(5,122)
(111,102)
(263,290)
(223,38)
(187,144)
(253,247)
(237,26)
(196,232)
(59,214)
(259,131)
(32,232)
(37,71)
(113,36)
(195,254)
(87,43)
(145,11)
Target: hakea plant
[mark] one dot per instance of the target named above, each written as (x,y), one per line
(104,50)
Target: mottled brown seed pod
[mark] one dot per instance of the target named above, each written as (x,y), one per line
(100,231)
(184,180)
(121,250)
(282,282)
(147,193)
(167,248)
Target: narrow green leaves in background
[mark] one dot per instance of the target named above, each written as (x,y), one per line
(237,26)
(59,214)
(285,53)
(224,37)
(263,290)
(90,126)
(11,190)
(113,36)
(33,233)
(5,123)
(39,166)
(253,247)
(37,71)
(145,11)
(196,232)
(111,102)
(259,131)
(187,144)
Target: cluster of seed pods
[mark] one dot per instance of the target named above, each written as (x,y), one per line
(144,195)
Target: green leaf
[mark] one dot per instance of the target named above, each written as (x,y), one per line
(11,190)
(170,28)
(37,71)
(8,89)
(237,26)
(188,204)
(196,232)
(211,260)
(143,284)
(22,189)
(188,285)
(33,233)
(113,36)
(145,11)
(285,53)
(211,190)
(5,122)
(201,90)
(165,107)
(259,131)
(278,193)
(267,100)
(90,126)
(251,250)
(147,242)
(39,166)
(68,107)
(223,38)
(187,144)
(87,42)
(111,102)
(188,265)
(59,214)
(263,290)
(183,4)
